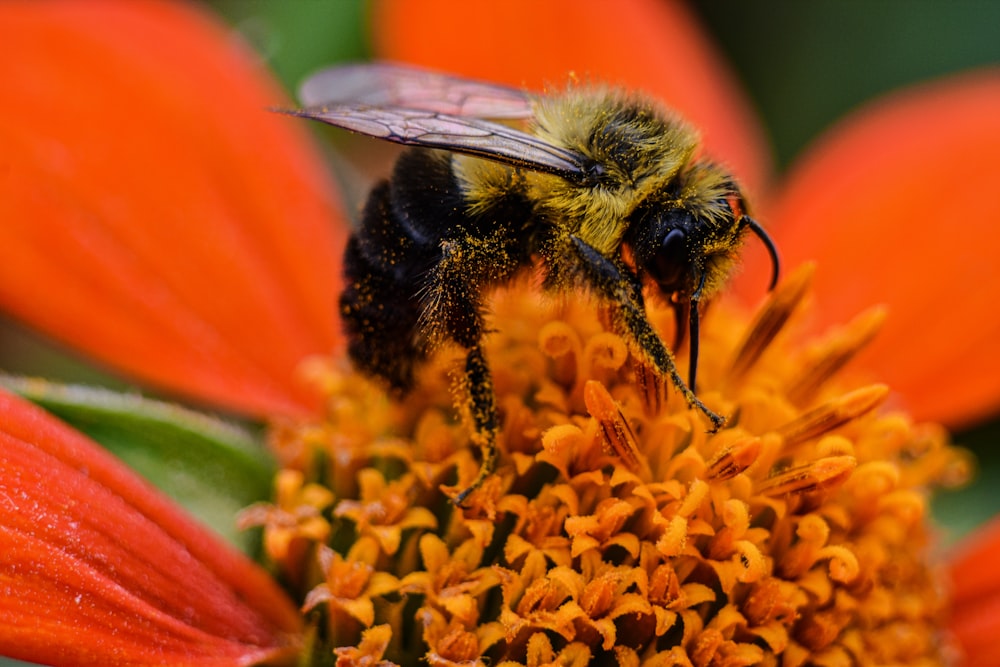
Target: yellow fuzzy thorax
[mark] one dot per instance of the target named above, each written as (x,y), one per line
(646,154)
(596,123)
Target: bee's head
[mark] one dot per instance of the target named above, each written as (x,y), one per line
(664,246)
(681,251)
(687,238)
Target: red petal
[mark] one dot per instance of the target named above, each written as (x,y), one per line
(99,569)
(650,45)
(898,206)
(156,215)
(976,598)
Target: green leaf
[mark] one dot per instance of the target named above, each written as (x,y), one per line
(297,38)
(211,467)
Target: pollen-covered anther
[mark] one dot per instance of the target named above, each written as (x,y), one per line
(754,563)
(294,519)
(617,432)
(770,320)
(651,386)
(449,642)
(825,359)
(674,539)
(734,458)
(833,414)
(369,651)
(821,475)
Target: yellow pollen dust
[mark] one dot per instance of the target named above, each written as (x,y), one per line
(617,529)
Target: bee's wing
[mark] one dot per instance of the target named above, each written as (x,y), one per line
(386,85)
(459,134)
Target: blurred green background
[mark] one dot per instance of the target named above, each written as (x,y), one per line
(803,64)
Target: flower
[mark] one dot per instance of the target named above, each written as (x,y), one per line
(615,527)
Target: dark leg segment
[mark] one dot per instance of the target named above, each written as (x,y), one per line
(483,408)
(453,312)
(616,284)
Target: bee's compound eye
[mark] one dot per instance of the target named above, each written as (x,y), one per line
(670,262)
(674,246)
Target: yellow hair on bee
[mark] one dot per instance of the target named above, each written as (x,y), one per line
(638,144)
(483,182)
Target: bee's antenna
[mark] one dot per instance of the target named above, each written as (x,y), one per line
(772,250)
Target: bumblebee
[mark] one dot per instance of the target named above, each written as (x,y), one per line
(602,190)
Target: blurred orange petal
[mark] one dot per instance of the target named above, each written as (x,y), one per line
(100,569)
(651,45)
(155,215)
(897,205)
(976,597)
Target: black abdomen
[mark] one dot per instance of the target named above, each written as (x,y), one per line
(418,264)
(388,260)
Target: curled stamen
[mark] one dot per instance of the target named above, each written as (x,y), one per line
(752,560)
(844,565)
(603,355)
(770,320)
(833,414)
(561,343)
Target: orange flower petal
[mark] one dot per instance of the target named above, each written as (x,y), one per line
(896,206)
(648,45)
(155,215)
(100,569)
(976,597)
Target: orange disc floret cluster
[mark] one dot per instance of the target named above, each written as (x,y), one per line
(617,529)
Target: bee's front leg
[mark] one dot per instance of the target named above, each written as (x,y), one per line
(614,282)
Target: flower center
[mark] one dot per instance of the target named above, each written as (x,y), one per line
(616,526)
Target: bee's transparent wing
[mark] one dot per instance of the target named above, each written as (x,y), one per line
(470,136)
(387,85)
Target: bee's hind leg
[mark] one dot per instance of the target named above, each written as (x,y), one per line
(614,282)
